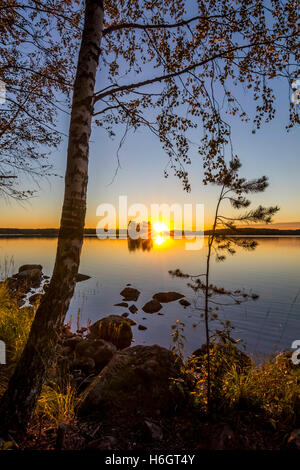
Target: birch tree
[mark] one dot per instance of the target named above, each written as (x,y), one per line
(25,385)
(171,66)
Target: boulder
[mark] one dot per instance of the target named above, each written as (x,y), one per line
(130,294)
(137,381)
(115,329)
(99,350)
(152,306)
(85,364)
(73,341)
(165,297)
(30,277)
(29,267)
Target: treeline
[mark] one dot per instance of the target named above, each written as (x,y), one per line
(53,232)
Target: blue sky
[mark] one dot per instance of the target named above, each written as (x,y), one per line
(271,151)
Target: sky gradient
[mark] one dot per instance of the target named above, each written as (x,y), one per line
(271,151)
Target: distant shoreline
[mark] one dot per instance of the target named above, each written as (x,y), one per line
(53,233)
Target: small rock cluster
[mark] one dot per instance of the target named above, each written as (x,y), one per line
(84,354)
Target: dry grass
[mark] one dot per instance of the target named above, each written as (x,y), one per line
(57,402)
(15,324)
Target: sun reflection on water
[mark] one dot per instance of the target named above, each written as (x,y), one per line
(159,240)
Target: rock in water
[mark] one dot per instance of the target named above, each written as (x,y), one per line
(133,309)
(30,277)
(136,381)
(29,267)
(130,294)
(113,328)
(184,302)
(152,306)
(82,277)
(165,297)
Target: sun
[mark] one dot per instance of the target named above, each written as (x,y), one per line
(159,227)
(159,240)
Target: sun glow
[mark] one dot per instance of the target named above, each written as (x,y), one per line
(159,240)
(160,227)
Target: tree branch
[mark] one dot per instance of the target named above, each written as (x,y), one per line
(121,26)
(99,95)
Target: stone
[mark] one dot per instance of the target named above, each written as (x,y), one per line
(121,304)
(99,350)
(130,294)
(184,302)
(125,314)
(132,322)
(165,297)
(86,364)
(133,309)
(114,329)
(152,306)
(82,277)
(135,382)
(29,267)
(142,327)
(30,277)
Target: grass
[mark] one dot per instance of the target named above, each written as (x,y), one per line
(271,389)
(57,402)
(58,398)
(15,324)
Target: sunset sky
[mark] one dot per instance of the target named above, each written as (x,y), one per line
(271,151)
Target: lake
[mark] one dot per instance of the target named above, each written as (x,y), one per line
(267,325)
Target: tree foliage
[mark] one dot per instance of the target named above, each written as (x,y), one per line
(38,39)
(174,65)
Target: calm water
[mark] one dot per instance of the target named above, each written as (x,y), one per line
(267,325)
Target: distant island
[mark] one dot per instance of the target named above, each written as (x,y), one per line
(53,232)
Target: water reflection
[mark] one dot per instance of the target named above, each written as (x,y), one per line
(148,237)
(140,244)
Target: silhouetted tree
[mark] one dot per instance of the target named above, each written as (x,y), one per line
(38,40)
(233,190)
